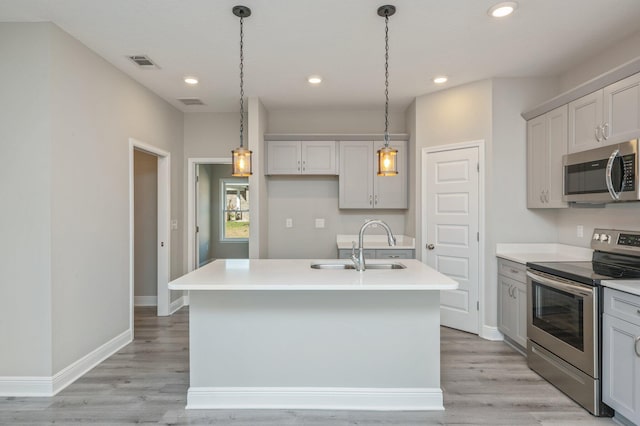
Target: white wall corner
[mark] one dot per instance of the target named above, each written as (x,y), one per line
(49,386)
(491,333)
(177,304)
(145,301)
(73,372)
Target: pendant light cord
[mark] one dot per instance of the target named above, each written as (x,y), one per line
(386,80)
(241,81)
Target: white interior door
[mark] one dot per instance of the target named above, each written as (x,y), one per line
(451,197)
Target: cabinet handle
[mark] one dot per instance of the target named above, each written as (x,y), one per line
(370,200)
(605,131)
(393,256)
(514,271)
(510,291)
(635,346)
(598,129)
(546,195)
(376,202)
(541,197)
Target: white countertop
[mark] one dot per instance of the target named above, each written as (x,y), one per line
(542,252)
(374,241)
(628,286)
(297,274)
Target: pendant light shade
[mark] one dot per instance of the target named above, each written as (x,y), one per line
(387,156)
(387,164)
(241,162)
(241,156)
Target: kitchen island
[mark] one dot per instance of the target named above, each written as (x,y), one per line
(279,334)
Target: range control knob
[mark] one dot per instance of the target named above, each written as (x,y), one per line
(596,237)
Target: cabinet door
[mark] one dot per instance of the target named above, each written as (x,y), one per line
(283,158)
(622,110)
(557,140)
(506,307)
(319,158)
(520,294)
(621,367)
(536,161)
(390,192)
(585,117)
(356,178)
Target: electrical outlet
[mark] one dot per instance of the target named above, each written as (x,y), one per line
(288,222)
(579,231)
(174,224)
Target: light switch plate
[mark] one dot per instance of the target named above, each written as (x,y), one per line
(579,231)
(288,222)
(319,223)
(174,224)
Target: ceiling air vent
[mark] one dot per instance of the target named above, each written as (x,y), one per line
(143,61)
(191,101)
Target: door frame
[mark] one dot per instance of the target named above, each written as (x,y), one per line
(191,204)
(164,225)
(480,145)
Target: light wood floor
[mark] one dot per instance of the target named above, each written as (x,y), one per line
(484,383)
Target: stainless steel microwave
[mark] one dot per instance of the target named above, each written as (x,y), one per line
(602,175)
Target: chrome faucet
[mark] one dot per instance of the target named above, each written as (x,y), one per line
(359,259)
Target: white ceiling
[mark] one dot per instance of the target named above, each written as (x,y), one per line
(342,40)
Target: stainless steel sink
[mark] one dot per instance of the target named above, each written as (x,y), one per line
(386,266)
(351,266)
(332,266)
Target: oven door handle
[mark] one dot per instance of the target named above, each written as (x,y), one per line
(559,285)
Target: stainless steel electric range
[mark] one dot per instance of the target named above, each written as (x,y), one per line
(564,318)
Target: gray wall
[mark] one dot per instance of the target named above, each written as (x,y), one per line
(145,251)
(487,110)
(95,110)
(25,191)
(617,54)
(305,198)
(73,115)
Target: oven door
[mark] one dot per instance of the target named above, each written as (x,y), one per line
(562,318)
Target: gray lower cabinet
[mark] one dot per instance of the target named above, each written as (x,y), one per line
(512,302)
(380,253)
(621,354)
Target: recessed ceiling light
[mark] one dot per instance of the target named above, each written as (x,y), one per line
(191,80)
(503,9)
(440,79)
(314,79)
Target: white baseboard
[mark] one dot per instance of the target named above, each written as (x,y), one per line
(49,386)
(145,300)
(491,333)
(176,304)
(186,299)
(26,386)
(382,399)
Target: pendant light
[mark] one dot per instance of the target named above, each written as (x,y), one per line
(387,156)
(241,157)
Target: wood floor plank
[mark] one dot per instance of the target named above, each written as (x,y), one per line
(484,383)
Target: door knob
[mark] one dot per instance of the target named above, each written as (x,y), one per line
(430,246)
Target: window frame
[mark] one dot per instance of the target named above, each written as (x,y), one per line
(223,211)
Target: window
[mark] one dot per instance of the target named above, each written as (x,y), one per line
(235,209)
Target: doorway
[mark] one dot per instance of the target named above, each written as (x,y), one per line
(218,220)
(162,225)
(452,221)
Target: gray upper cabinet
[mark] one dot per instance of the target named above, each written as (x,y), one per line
(607,116)
(359,185)
(301,157)
(546,144)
